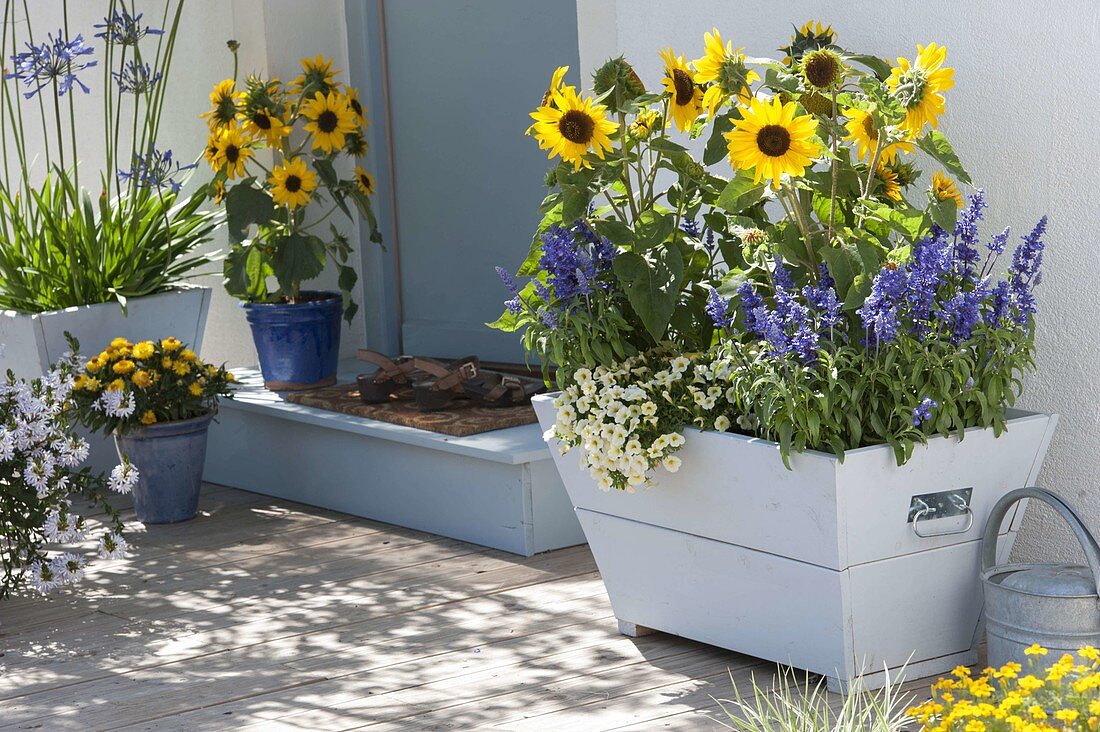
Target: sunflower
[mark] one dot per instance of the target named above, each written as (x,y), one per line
(944,188)
(210,152)
(644,124)
(724,68)
(331,118)
(570,126)
(352,95)
(317,76)
(223,105)
(233,151)
(291,184)
(889,179)
(917,86)
(679,82)
(355,144)
(771,139)
(548,99)
(219,191)
(864,136)
(263,124)
(364,181)
(811,36)
(822,69)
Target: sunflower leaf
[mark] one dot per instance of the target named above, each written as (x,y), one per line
(297,259)
(740,193)
(246,205)
(936,145)
(944,213)
(879,67)
(652,285)
(716,145)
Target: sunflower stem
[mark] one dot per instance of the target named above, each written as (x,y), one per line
(625,175)
(834,170)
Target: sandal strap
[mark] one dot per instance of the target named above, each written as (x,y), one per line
(393,370)
(448,376)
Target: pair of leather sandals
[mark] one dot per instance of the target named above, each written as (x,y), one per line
(435,384)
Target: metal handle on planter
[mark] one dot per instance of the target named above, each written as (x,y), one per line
(927,510)
(1000,510)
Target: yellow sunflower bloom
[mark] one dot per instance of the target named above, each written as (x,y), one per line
(556,86)
(233,151)
(330,119)
(148,417)
(686,96)
(772,140)
(863,134)
(263,124)
(364,181)
(317,76)
(918,85)
(889,179)
(724,69)
(224,101)
(644,124)
(944,188)
(210,152)
(570,126)
(291,185)
(352,95)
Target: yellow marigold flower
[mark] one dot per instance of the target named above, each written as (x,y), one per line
(171,344)
(142,379)
(148,417)
(1029,683)
(1035,650)
(195,389)
(1094,706)
(124,366)
(1089,653)
(182,368)
(917,87)
(1010,670)
(686,102)
(1067,715)
(571,127)
(772,140)
(975,725)
(145,349)
(292,183)
(116,385)
(1037,712)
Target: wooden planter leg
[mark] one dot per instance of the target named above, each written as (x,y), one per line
(633,629)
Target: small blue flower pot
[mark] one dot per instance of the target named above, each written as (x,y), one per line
(298,344)
(169,458)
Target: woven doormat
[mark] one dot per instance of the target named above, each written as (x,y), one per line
(461,419)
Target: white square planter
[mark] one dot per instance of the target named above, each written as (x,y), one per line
(32,342)
(818,567)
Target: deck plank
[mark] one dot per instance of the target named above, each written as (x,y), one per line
(268,615)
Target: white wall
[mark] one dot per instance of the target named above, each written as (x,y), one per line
(1022,116)
(274,35)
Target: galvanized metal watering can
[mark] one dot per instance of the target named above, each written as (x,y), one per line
(1054,605)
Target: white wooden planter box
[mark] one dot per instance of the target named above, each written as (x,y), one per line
(816,567)
(32,342)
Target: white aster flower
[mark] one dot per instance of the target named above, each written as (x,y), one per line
(68,568)
(40,576)
(113,546)
(123,478)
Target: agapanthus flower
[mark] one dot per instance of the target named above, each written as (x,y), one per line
(54,63)
(136,78)
(125,29)
(156,169)
(923,411)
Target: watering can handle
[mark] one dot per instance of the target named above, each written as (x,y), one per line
(996,516)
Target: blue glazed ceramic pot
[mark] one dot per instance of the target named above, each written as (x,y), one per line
(298,344)
(169,457)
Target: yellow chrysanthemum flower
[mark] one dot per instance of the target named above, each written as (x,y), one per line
(116,385)
(864,136)
(120,343)
(686,101)
(142,379)
(364,181)
(291,184)
(224,101)
(195,389)
(330,119)
(889,180)
(918,85)
(317,76)
(171,344)
(233,151)
(181,368)
(145,349)
(723,67)
(188,355)
(944,188)
(571,126)
(265,125)
(93,365)
(124,366)
(772,140)
(148,417)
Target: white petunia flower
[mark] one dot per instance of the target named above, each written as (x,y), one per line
(722,423)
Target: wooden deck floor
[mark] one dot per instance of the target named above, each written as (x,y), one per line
(264,614)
